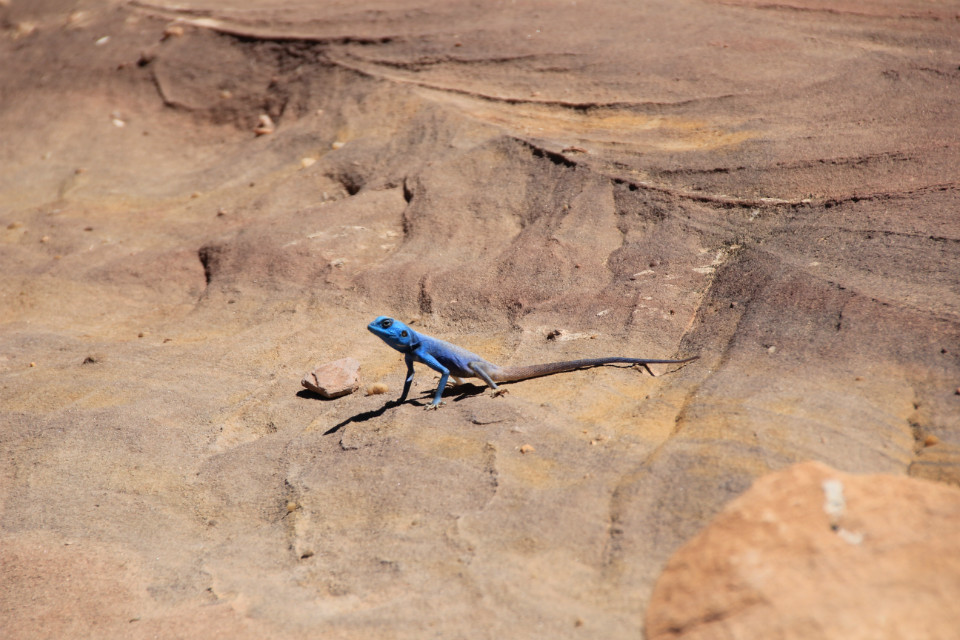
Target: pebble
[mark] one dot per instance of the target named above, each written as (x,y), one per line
(264,125)
(377,388)
(172,31)
(334,379)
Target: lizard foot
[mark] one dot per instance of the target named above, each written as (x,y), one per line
(434,407)
(500,392)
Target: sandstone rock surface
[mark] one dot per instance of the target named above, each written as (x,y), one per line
(809,552)
(770,186)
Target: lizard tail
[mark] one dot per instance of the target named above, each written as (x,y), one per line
(512,374)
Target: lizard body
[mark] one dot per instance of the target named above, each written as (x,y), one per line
(450,360)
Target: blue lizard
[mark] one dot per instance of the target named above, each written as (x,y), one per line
(449,359)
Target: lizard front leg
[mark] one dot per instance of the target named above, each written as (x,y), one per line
(432,362)
(408,358)
(436,404)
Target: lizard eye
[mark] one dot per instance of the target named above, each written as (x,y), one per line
(386,323)
(403,334)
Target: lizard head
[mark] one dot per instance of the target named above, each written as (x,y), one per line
(393,332)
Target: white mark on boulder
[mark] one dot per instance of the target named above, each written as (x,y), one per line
(835,506)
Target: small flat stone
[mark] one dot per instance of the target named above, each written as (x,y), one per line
(334,379)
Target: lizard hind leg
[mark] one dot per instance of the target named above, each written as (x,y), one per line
(480,369)
(646,366)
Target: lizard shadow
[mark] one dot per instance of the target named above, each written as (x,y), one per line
(462,392)
(306,394)
(360,417)
(465,390)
